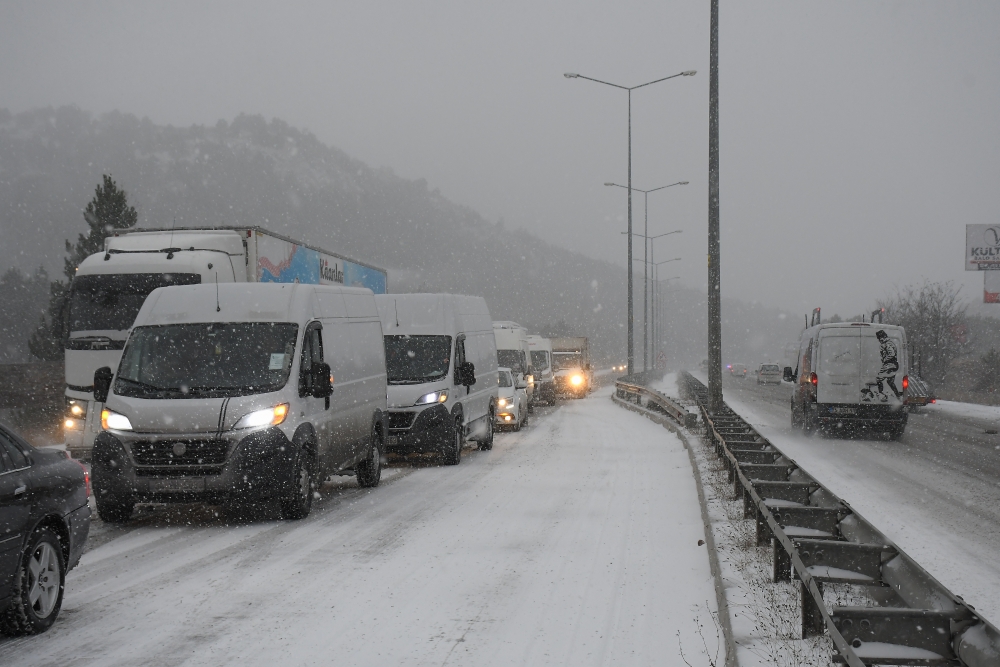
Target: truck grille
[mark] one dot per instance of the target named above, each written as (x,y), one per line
(401,420)
(180,452)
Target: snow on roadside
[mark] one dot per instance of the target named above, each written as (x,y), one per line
(966,410)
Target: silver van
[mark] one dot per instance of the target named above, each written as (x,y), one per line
(441,360)
(238,393)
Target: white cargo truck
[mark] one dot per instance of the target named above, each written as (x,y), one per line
(541,362)
(110,287)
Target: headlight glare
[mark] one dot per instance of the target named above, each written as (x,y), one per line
(113,421)
(576,380)
(433,397)
(267,417)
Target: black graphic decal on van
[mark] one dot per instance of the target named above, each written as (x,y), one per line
(886,374)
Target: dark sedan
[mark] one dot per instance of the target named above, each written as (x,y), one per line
(44,522)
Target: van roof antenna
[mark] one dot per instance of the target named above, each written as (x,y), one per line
(172,225)
(218,308)
(396,311)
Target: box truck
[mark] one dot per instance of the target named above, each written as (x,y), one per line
(513,352)
(110,287)
(571,366)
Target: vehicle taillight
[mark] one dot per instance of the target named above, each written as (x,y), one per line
(906,382)
(813,379)
(86,477)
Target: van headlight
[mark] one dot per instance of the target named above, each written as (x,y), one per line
(504,402)
(433,397)
(268,417)
(576,380)
(111,420)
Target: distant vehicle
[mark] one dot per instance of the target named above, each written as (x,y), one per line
(571,363)
(512,403)
(738,370)
(851,376)
(111,286)
(45,520)
(441,359)
(919,393)
(769,374)
(236,393)
(514,352)
(541,362)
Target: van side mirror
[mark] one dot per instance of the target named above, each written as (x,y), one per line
(322,384)
(102,383)
(467,373)
(788,376)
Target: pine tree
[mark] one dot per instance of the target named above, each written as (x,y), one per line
(106,213)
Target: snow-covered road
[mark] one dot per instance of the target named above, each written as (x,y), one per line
(936,492)
(573,542)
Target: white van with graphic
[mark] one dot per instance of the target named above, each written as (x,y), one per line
(851,375)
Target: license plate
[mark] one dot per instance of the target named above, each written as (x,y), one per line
(392,440)
(844,411)
(177,485)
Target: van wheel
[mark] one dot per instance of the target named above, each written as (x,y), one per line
(369,471)
(487,443)
(113,508)
(38,586)
(453,449)
(298,501)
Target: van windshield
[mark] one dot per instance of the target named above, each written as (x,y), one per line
(505,379)
(540,360)
(110,301)
(206,360)
(511,359)
(417,359)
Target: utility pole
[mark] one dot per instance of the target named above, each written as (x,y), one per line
(714,267)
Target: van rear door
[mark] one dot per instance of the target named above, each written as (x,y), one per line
(885,362)
(839,367)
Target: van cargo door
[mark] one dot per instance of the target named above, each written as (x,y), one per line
(839,366)
(883,365)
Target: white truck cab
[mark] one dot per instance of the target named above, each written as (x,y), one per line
(541,362)
(110,287)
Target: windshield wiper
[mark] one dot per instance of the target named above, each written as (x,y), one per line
(412,381)
(150,387)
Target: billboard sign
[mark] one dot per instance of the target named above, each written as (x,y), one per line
(982,247)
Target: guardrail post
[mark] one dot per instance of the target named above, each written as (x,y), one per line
(748,506)
(812,617)
(763,530)
(782,563)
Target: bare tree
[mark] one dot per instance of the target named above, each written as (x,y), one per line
(934,319)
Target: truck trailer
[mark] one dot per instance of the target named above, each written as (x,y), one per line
(110,287)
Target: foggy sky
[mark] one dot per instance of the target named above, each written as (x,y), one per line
(858,138)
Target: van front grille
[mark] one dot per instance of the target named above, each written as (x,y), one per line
(401,420)
(180,452)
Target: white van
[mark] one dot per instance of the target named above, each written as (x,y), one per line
(851,375)
(541,363)
(236,393)
(441,361)
(513,352)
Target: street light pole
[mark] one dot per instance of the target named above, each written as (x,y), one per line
(646,305)
(629,89)
(653,307)
(656,283)
(714,272)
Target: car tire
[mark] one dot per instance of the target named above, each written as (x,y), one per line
(297,503)
(113,508)
(369,471)
(41,574)
(453,448)
(487,442)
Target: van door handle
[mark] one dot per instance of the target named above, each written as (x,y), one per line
(21,489)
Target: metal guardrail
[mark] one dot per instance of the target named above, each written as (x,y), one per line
(818,538)
(633,392)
